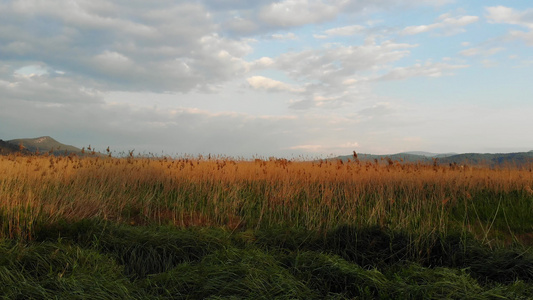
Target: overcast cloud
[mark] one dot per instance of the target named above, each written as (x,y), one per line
(283,78)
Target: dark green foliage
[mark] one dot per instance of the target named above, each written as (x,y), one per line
(330,275)
(59,270)
(374,247)
(416,282)
(102,260)
(334,277)
(502,266)
(231,272)
(287,238)
(142,250)
(497,265)
(371,246)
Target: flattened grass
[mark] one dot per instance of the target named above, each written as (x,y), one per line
(147,262)
(61,270)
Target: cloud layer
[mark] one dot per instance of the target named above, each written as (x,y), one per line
(244,77)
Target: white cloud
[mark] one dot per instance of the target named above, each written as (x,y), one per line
(124,46)
(242,26)
(309,148)
(99,15)
(112,62)
(320,36)
(349,145)
(418,29)
(429,69)
(178,47)
(262,63)
(369,7)
(345,30)
(377,110)
(334,65)
(291,13)
(267,84)
(61,60)
(506,15)
(337,76)
(287,36)
(327,149)
(350,81)
(331,77)
(525,36)
(42,88)
(448,24)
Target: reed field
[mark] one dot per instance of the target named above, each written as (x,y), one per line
(221,228)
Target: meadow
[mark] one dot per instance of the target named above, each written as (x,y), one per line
(217,227)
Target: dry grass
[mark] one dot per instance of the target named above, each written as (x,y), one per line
(317,195)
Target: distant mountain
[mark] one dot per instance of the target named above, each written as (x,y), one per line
(44,144)
(487,159)
(402,157)
(491,159)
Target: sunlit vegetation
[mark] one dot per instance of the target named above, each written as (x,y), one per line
(199,227)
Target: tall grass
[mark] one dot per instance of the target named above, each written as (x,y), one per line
(495,205)
(197,228)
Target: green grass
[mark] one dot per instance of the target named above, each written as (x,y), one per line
(61,270)
(103,260)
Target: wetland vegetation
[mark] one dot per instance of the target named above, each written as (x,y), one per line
(216,227)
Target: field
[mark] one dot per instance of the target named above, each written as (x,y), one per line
(215,227)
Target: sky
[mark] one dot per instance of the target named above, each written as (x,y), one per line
(291,78)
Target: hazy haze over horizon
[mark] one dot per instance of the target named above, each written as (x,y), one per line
(267,78)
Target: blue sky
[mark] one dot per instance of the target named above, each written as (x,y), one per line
(269,78)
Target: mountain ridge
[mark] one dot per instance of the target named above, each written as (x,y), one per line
(488,159)
(42,144)
(48,144)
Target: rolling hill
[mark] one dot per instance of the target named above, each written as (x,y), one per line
(42,145)
(46,144)
(519,159)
